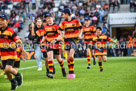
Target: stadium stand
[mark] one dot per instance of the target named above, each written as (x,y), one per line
(23,12)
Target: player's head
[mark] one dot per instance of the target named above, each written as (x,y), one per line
(49,18)
(98,31)
(44,22)
(87,20)
(66,13)
(39,22)
(4,19)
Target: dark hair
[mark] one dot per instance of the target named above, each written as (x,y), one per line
(38,19)
(99,28)
(68,14)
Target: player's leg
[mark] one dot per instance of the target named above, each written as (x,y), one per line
(88,58)
(9,75)
(104,58)
(100,63)
(64,54)
(38,56)
(93,55)
(1,70)
(9,71)
(71,74)
(122,52)
(68,60)
(16,65)
(46,62)
(13,81)
(18,76)
(50,63)
(57,53)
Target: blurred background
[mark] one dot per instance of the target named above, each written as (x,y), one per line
(116,17)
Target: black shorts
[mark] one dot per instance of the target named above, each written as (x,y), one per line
(45,54)
(122,50)
(55,51)
(88,46)
(17,64)
(73,44)
(8,62)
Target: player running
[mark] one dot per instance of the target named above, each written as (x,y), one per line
(8,38)
(100,41)
(38,32)
(53,39)
(71,27)
(88,34)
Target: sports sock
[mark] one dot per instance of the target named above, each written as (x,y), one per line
(71,70)
(100,65)
(61,64)
(50,65)
(88,59)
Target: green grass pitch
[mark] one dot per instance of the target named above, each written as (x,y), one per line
(119,74)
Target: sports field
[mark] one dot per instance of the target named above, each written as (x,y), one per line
(119,74)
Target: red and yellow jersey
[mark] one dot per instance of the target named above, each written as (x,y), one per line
(51,33)
(40,33)
(71,28)
(89,33)
(101,42)
(8,37)
(19,54)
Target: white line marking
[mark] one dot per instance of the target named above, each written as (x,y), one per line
(32,67)
(85,58)
(65,61)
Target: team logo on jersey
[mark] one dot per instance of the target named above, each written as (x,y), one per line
(53,29)
(66,25)
(6,37)
(73,24)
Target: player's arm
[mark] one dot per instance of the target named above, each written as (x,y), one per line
(60,29)
(24,54)
(23,57)
(43,36)
(80,34)
(114,42)
(79,26)
(43,39)
(59,36)
(19,42)
(110,40)
(32,33)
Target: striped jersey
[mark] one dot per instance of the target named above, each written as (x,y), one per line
(8,37)
(71,28)
(101,42)
(51,32)
(19,53)
(89,33)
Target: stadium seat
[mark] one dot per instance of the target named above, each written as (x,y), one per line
(116,9)
(15,3)
(88,8)
(80,4)
(7,11)
(1,1)
(59,14)
(57,4)
(62,7)
(55,9)
(10,7)
(64,2)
